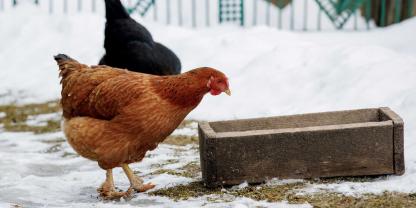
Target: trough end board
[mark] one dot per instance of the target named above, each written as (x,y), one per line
(398,138)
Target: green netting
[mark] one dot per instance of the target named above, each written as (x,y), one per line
(141,6)
(339,11)
(231,11)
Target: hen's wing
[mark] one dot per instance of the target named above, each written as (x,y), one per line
(170,59)
(98,91)
(151,58)
(121,31)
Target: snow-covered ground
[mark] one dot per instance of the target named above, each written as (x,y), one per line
(271,73)
(43,171)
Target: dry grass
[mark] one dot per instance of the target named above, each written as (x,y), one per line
(181,140)
(16,116)
(187,124)
(289,192)
(183,192)
(190,170)
(332,180)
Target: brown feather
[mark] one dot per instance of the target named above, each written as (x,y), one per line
(114,116)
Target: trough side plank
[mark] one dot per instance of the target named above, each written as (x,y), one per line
(366,150)
(298,121)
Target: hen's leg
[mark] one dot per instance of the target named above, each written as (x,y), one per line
(107,189)
(135,181)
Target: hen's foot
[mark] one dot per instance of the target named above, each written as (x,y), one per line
(137,184)
(135,181)
(108,192)
(112,194)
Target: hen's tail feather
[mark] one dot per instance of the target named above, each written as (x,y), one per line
(66,65)
(62,57)
(115,10)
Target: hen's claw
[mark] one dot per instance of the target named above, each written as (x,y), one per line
(114,195)
(137,184)
(142,187)
(108,192)
(135,181)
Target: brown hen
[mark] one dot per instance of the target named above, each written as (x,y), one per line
(114,116)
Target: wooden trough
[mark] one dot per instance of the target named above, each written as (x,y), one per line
(342,143)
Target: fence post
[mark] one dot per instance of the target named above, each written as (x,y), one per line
(319,19)
(409,8)
(241,12)
(93,5)
(168,12)
(255,12)
(207,22)
(292,16)
(368,13)
(383,13)
(155,10)
(397,9)
(1,5)
(355,20)
(267,12)
(219,11)
(79,5)
(180,12)
(193,13)
(305,15)
(279,21)
(37,2)
(50,6)
(14,2)
(65,6)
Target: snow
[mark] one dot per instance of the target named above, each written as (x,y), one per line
(35,179)
(28,47)
(41,119)
(184,131)
(271,73)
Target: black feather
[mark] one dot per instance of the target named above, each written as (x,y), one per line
(115,10)
(130,45)
(62,57)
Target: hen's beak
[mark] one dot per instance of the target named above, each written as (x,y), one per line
(228,92)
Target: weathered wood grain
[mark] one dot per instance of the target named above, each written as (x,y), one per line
(398,138)
(343,143)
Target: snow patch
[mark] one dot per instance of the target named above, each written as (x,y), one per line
(185,131)
(42,119)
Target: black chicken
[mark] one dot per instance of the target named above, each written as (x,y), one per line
(130,45)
